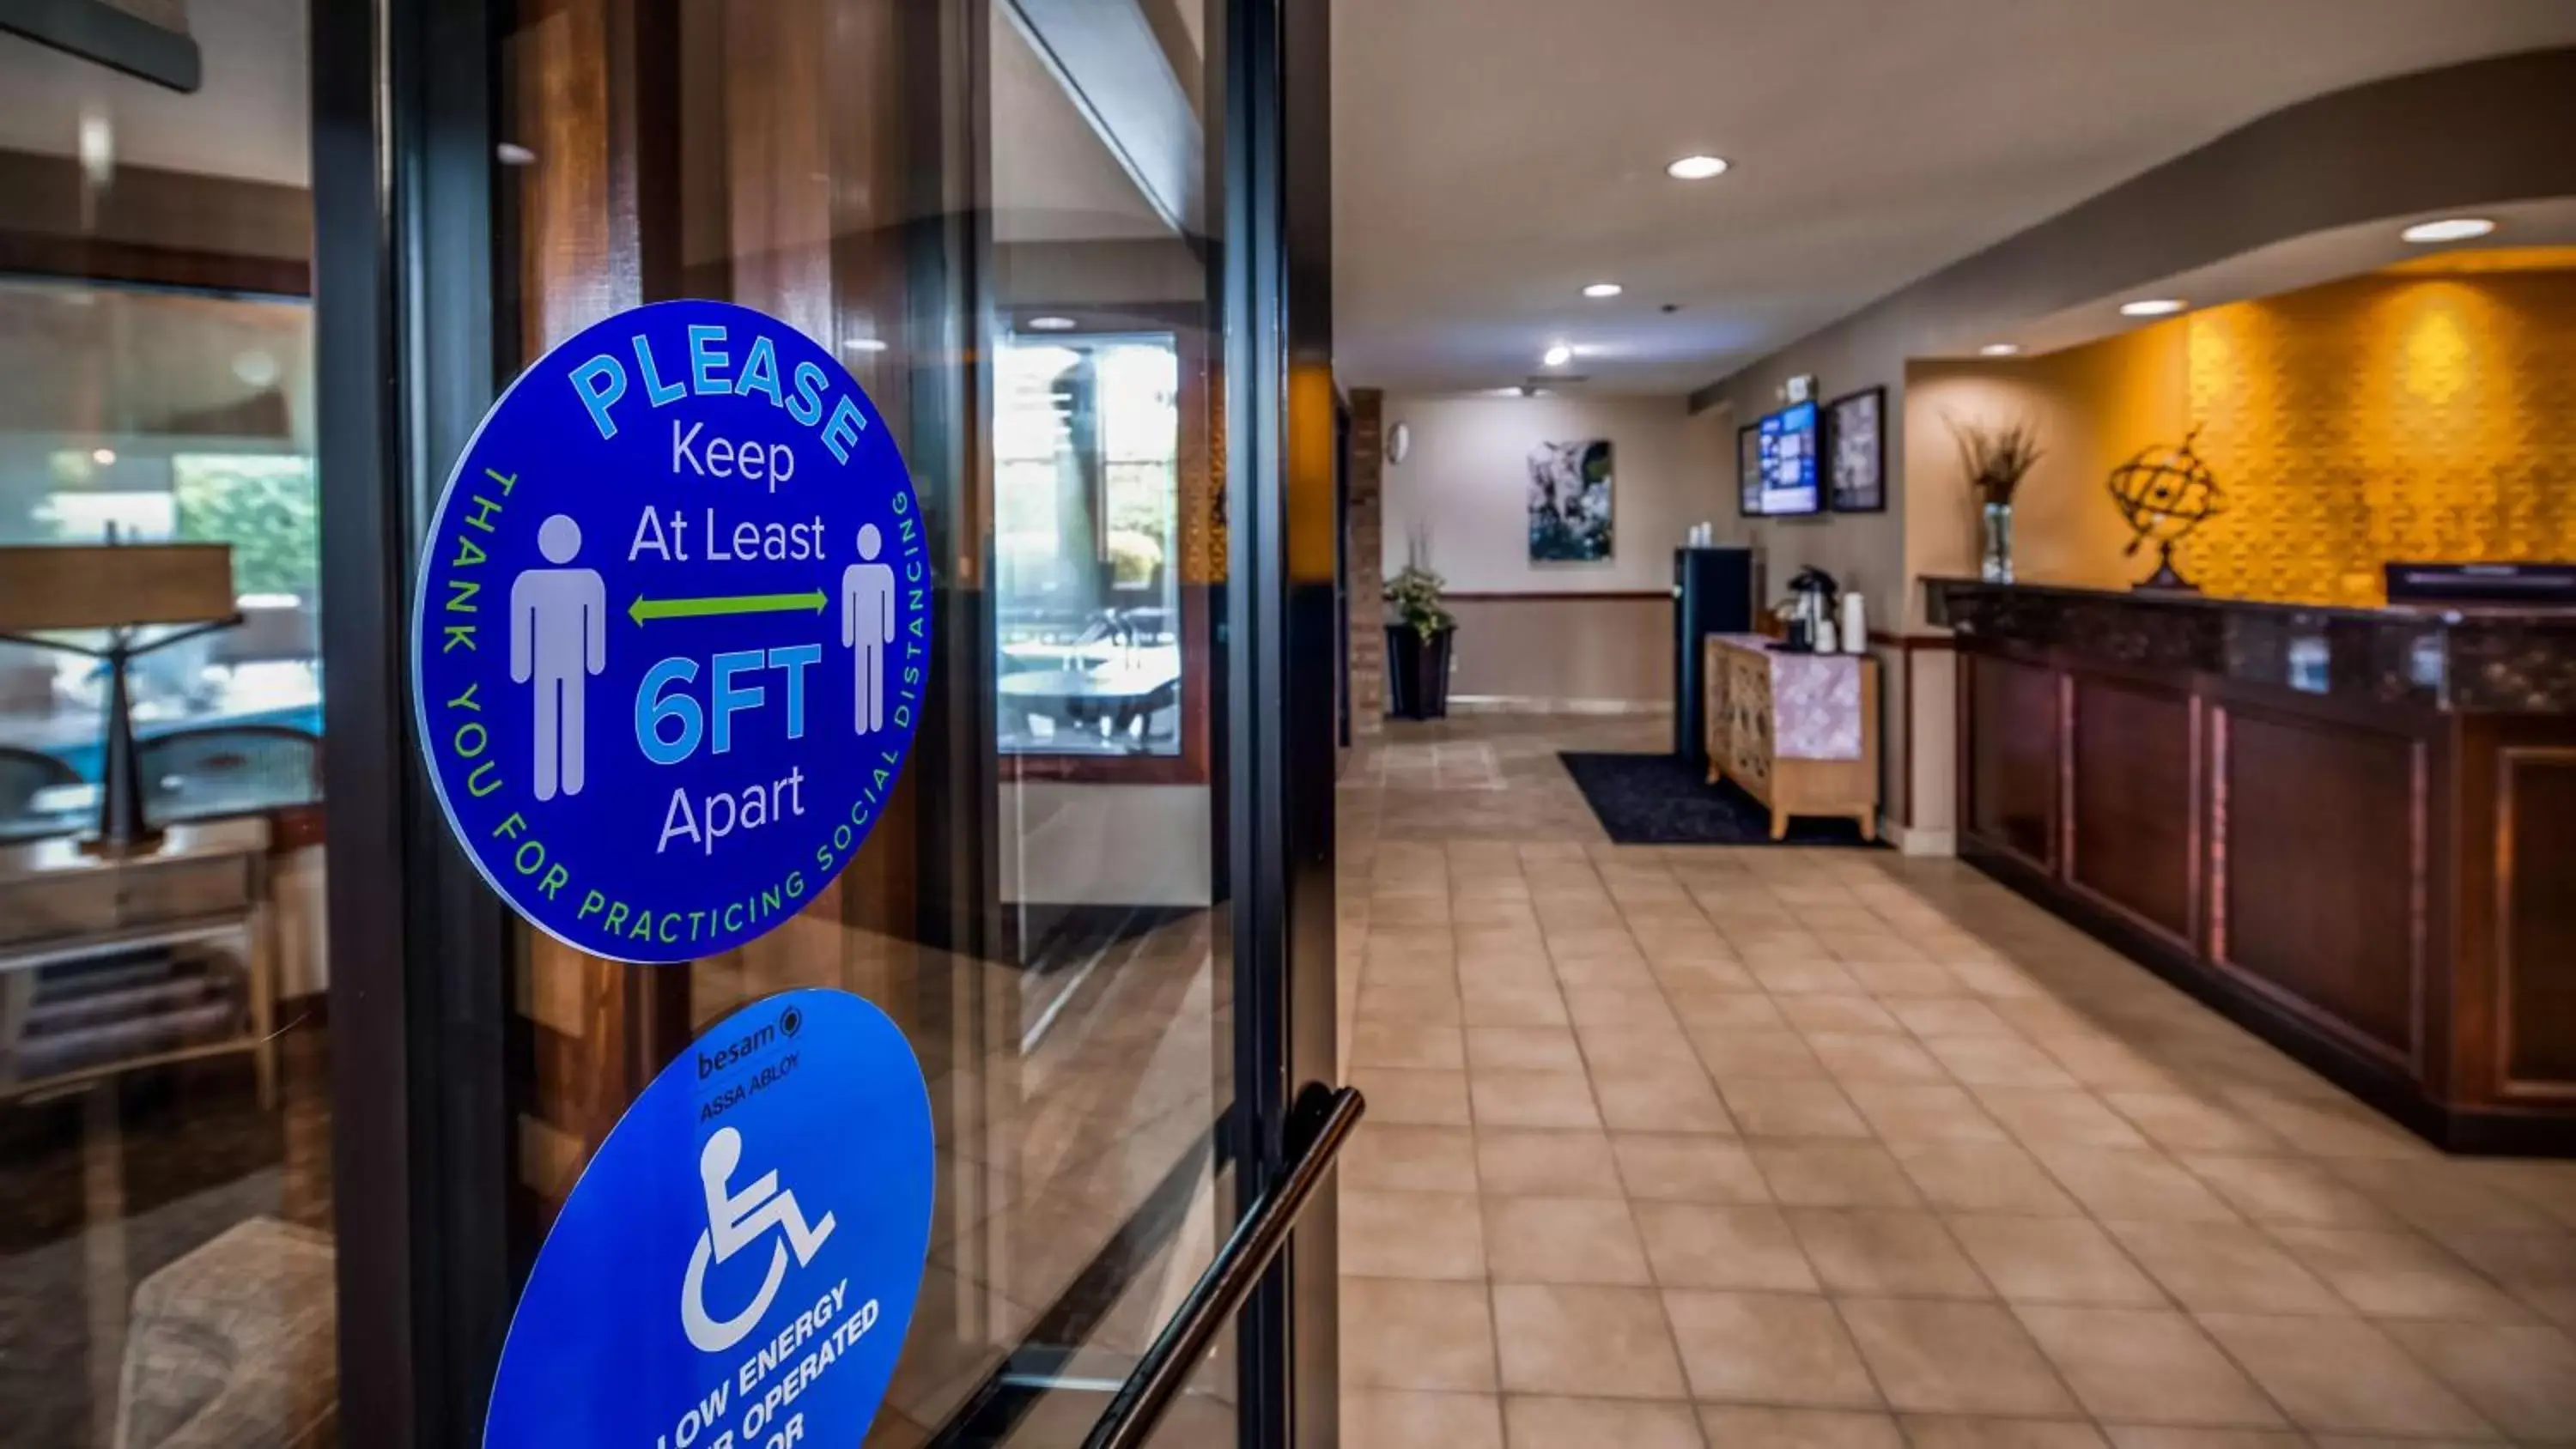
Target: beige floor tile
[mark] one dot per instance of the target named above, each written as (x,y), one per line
(2146,1366)
(1984,1177)
(2225,1268)
(1706,1245)
(1888,980)
(1936,1431)
(1407,1044)
(2162,1436)
(1931,1016)
(1523,1049)
(1637,1047)
(1563,1240)
(1394,1157)
(1403,1096)
(1674,1168)
(2286,1190)
(2140,1186)
(1839,1014)
(1734,1427)
(2040,1117)
(1692,978)
(1738,1053)
(1659,1099)
(1402,1333)
(1534,1162)
(2523,1379)
(1532,1099)
(1639,1005)
(1882,1253)
(1767,1108)
(1728,1010)
(1572,1341)
(1767,1348)
(1855,1057)
(1918,1112)
(1783,977)
(2180,1122)
(1411,1235)
(1954,1358)
(2398,1275)
(1997,1061)
(1482,1005)
(2341,1375)
(1436,1004)
(1833,1174)
(2376,1441)
(1541,1423)
(2054,1261)
(1401,1419)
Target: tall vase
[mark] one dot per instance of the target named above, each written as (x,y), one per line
(1995,565)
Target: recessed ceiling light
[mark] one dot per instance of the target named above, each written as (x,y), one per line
(1603,289)
(1557,356)
(2153,307)
(1514,390)
(103,457)
(511,153)
(1696,168)
(1999,349)
(1050,324)
(866,344)
(2448,229)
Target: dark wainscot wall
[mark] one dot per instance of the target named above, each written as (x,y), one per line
(2352,830)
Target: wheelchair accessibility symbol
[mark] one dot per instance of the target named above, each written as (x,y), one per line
(736,1221)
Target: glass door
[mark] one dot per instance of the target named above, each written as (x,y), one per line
(1020,226)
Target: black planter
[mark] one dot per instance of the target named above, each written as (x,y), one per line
(1417,673)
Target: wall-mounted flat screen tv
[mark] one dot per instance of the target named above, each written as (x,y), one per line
(1784,456)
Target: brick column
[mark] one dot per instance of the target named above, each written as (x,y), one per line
(1363,534)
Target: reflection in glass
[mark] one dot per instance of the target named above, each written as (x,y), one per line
(1086,502)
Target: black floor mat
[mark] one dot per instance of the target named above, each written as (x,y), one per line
(1658,800)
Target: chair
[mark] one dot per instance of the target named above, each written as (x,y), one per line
(25,772)
(230,769)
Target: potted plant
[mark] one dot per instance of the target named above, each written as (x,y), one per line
(1996,457)
(1418,632)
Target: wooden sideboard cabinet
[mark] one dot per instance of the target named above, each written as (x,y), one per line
(1800,743)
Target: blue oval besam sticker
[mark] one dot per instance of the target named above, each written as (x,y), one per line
(737,1265)
(672,632)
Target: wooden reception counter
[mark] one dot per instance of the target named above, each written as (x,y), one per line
(2353,830)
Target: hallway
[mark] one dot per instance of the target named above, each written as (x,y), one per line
(1779,1147)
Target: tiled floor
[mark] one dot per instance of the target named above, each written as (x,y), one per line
(1672,1147)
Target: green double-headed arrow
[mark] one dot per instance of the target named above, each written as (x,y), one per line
(810,602)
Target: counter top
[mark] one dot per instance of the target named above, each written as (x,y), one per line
(2464,659)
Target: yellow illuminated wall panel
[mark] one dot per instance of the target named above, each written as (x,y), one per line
(2387,417)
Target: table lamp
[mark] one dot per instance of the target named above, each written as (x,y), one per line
(123,588)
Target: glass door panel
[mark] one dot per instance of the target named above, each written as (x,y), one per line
(994,213)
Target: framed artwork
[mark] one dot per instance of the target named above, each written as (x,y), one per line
(1569,502)
(1748,471)
(1856,452)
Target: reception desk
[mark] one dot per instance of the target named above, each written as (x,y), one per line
(2352,830)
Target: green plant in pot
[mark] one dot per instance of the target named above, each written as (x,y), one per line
(1419,629)
(1996,457)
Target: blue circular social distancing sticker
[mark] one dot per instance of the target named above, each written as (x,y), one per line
(737,1265)
(672,632)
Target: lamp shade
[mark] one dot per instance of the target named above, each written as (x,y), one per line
(103,586)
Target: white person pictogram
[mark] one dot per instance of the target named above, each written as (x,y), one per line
(867,627)
(558,638)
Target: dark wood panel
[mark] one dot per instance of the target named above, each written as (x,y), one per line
(2130,800)
(2536,897)
(2318,856)
(2011,746)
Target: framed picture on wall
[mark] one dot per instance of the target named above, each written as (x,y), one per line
(1569,502)
(1856,452)
(1748,471)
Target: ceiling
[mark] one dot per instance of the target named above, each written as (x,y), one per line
(255,81)
(1493,156)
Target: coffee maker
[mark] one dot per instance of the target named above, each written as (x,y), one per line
(1811,611)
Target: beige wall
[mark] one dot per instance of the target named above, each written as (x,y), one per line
(1572,651)
(1567,633)
(1465,485)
